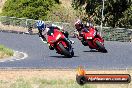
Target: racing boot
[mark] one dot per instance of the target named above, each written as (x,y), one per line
(70,41)
(85,43)
(50,47)
(43,40)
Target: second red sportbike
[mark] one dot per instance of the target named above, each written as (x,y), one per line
(57,40)
(94,40)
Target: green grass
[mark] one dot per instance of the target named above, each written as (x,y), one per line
(59,83)
(5,52)
(44,83)
(21,83)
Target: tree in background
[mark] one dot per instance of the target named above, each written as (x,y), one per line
(126,20)
(116,12)
(33,9)
(49,10)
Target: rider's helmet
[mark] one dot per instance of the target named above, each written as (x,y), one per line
(78,24)
(89,24)
(41,25)
(59,27)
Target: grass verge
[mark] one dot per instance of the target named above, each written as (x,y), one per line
(42,78)
(5,52)
(44,83)
(39,79)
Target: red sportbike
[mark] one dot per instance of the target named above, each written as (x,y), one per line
(59,42)
(93,40)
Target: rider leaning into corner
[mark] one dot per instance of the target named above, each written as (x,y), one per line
(80,27)
(43,30)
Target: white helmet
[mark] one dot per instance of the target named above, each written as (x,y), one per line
(57,26)
(78,22)
(89,24)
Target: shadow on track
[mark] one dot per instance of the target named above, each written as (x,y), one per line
(95,51)
(62,56)
(91,51)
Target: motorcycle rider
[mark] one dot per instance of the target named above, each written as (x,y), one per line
(43,30)
(41,27)
(80,27)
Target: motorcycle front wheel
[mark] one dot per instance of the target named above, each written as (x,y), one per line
(101,47)
(65,51)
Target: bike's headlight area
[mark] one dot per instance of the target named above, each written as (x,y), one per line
(58,36)
(89,37)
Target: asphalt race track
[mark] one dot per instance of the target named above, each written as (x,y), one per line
(119,54)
